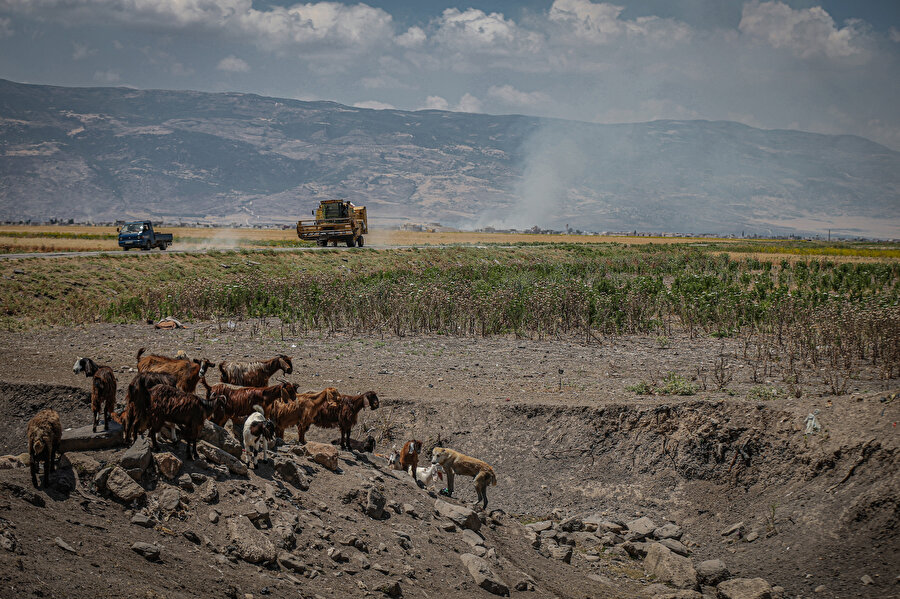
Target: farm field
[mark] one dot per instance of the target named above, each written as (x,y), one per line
(673,381)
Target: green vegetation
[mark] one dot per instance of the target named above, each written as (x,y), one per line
(817,312)
(672,384)
(765,393)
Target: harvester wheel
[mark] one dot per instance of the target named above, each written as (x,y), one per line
(359,241)
(351,243)
(321,243)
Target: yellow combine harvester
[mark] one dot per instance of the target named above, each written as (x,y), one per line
(336,221)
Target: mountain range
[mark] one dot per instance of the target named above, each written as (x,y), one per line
(104,154)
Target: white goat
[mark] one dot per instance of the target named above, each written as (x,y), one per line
(257,429)
(429,475)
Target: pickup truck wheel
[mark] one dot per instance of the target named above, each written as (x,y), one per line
(125,249)
(163,247)
(359,242)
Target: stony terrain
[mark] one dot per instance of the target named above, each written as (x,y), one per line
(600,492)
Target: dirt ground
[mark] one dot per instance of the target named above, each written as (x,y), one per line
(556,421)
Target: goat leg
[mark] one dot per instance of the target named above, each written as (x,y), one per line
(96,419)
(105,420)
(34,469)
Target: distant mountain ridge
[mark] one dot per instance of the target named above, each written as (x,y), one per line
(114,153)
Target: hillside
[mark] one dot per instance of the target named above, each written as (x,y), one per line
(111,153)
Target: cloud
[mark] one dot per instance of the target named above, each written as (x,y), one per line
(233,64)
(108,76)
(475,30)
(807,32)
(82,51)
(510,95)
(893,34)
(374,105)
(436,103)
(468,103)
(412,38)
(599,23)
(313,25)
(6,29)
(180,70)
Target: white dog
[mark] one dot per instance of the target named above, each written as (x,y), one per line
(430,475)
(257,429)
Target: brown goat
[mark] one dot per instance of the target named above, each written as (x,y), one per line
(239,402)
(254,374)
(44,436)
(187,373)
(300,412)
(349,413)
(409,456)
(135,417)
(172,405)
(103,392)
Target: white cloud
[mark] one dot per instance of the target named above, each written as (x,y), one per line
(436,103)
(475,30)
(510,95)
(108,76)
(468,103)
(311,24)
(81,51)
(413,38)
(233,64)
(6,29)
(180,70)
(374,105)
(600,23)
(894,34)
(807,32)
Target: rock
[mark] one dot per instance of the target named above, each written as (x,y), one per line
(84,465)
(325,454)
(148,550)
(610,538)
(744,588)
(191,536)
(64,546)
(185,483)
(258,512)
(83,439)
(668,531)
(585,539)
(336,555)
(379,568)
(636,550)
(168,465)
(734,528)
(391,589)
(683,594)
(605,525)
(669,567)
(221,457)
(141,519)
(209,492)
(479,550)
(482,574)
(213,517)
(291,562)
(820,589)
(218,436)
(169,500)
(712,572)
(375,502)
(101,477)
(11,462)
(123,486)
(675,546)
(640,529)
(867,580)
(777,592)
(572,524)
(561,552)
(526,583)
(472,538)
(540,526)
(410,511)
(198,478)
(292,474)
(251,544)
(138,456)
(461,516)
(447,526)
(751,536)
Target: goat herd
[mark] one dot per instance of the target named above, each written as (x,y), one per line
(162,395)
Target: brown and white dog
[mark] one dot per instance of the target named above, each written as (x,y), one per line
(456,463)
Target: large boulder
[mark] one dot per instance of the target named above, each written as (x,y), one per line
(123,486)
(221,457)
(138,456)
(483,576)
(461,516)
(218,436)
(325,454)
(640,529)
(84,439)
(168,465)
(744,588)
(669,567)
(375,504)
(251,544)
(668,531)
(712,572)
(290,472)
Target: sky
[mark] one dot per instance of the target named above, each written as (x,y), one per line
(829,67)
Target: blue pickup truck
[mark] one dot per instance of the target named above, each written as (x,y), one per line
(140,234)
